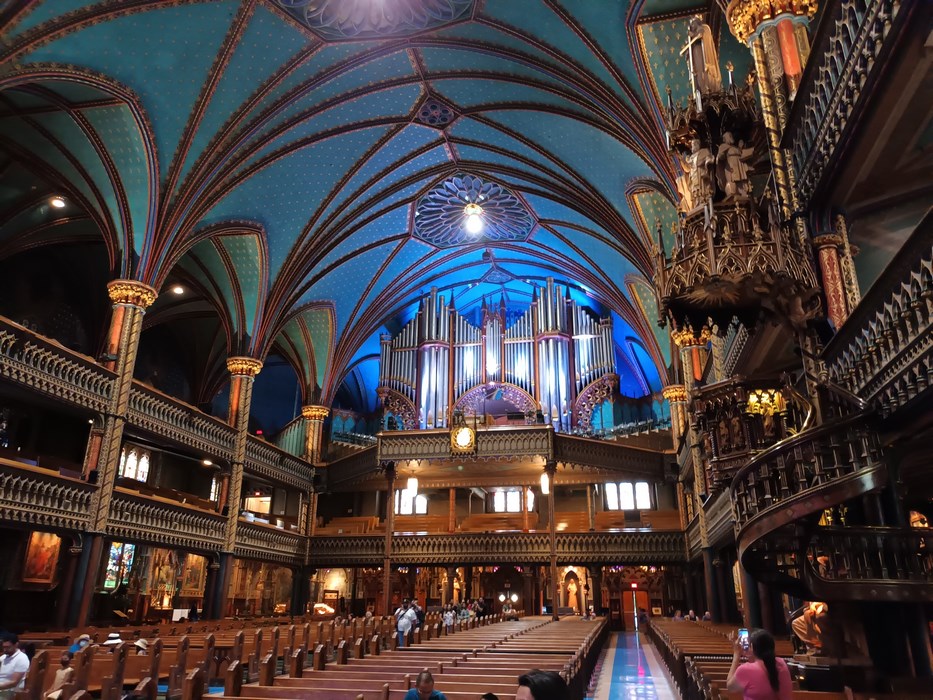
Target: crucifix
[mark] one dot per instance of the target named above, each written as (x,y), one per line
(688,50)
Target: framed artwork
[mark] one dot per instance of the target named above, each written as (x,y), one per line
(41,557)
(193,581)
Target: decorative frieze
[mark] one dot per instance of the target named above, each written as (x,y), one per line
(509,443)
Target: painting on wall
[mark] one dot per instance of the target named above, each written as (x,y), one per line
(194,577)
(41,557)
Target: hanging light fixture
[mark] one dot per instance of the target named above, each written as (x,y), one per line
(473,223)
(412,486)
(545,484)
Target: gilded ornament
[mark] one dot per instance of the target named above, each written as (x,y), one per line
(745,16)
(243,366)
(686,338)
(132,293)
(315,412)
(675,393)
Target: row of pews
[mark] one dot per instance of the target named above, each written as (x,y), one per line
(698,656)
(175,651)
(481,659)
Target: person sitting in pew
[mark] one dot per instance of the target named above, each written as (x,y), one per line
(14,665)
(63,675)
(542,685)
(424,689)
(763,676)
(142,647)
(81,642)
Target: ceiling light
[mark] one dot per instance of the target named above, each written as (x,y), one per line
(57,202)
(178,289)
(207,463)
(514,597)
(473,223)
(545,484)
(412,485)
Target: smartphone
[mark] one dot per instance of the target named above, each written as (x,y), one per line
(743,638)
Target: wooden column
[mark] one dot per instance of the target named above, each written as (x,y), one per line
(590,517)
(452,511)
(525,526)
(390,525)
(551,470)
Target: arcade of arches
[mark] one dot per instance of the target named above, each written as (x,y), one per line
(574,306)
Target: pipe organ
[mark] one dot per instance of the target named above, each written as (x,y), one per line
(541,361)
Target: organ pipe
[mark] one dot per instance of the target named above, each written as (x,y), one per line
(553,351)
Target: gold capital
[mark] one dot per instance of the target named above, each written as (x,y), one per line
(315,412)
(243,366)
(827,240)
(132,293)
(745,16)
(686,338)
(675,393)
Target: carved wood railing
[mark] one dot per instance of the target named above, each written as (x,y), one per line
(150,519)
(635,462)
(42,365)
(871,563)
(852,34)
(884,351)
(41,498)
(353,468)
(39,364)
(292,437)
(504,443)
(269,543)
(274,463)
(623,547)
(179,422)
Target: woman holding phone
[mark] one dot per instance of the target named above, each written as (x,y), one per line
(763,676)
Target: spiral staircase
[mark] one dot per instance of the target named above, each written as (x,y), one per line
(779,499)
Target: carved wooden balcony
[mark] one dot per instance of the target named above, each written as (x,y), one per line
(44,366)
(507,442)
(41,498)
(271,462)
(885,349)
(136,517)
(269,543)
(623,547)
(851,35)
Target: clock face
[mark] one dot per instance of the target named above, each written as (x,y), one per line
(462,438)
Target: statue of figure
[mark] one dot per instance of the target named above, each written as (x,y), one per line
(698,166)
(738,434)
(572,594)
(732,169)
(702,58)
(725,443)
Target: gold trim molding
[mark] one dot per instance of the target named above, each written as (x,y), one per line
(745,16)
(827,240)
(686,338)
(244,366)
(675,393)
(315,412)
(132,293)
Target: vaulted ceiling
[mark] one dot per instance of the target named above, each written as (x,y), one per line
(279,154)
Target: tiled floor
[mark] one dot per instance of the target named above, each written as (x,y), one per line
(633,671)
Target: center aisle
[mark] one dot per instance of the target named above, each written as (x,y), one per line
(632,671)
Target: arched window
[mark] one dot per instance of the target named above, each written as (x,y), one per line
(509,500)
(407,503)
(134,463)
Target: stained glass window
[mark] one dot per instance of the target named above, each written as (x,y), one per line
(134,463)
(119,564)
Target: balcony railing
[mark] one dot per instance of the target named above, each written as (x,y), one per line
(269,543)
(843,59)
(623,547)
(181,423)
(42,365)
(292,437)
(274,463)
(884,351)
(37,497)
(149,519)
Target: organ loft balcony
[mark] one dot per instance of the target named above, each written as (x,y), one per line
(736,249)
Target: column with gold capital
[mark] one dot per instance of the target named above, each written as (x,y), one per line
(827,251)
(243,371)
(676,395)
(314,415)
(130,300)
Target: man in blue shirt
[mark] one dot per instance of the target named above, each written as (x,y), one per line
(424,689)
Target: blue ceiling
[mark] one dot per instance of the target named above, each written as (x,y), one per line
(304,134)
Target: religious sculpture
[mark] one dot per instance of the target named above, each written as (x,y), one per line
(702,59)
(732,170)
(683,186)
(699,165)
(738,433)
(572,595)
